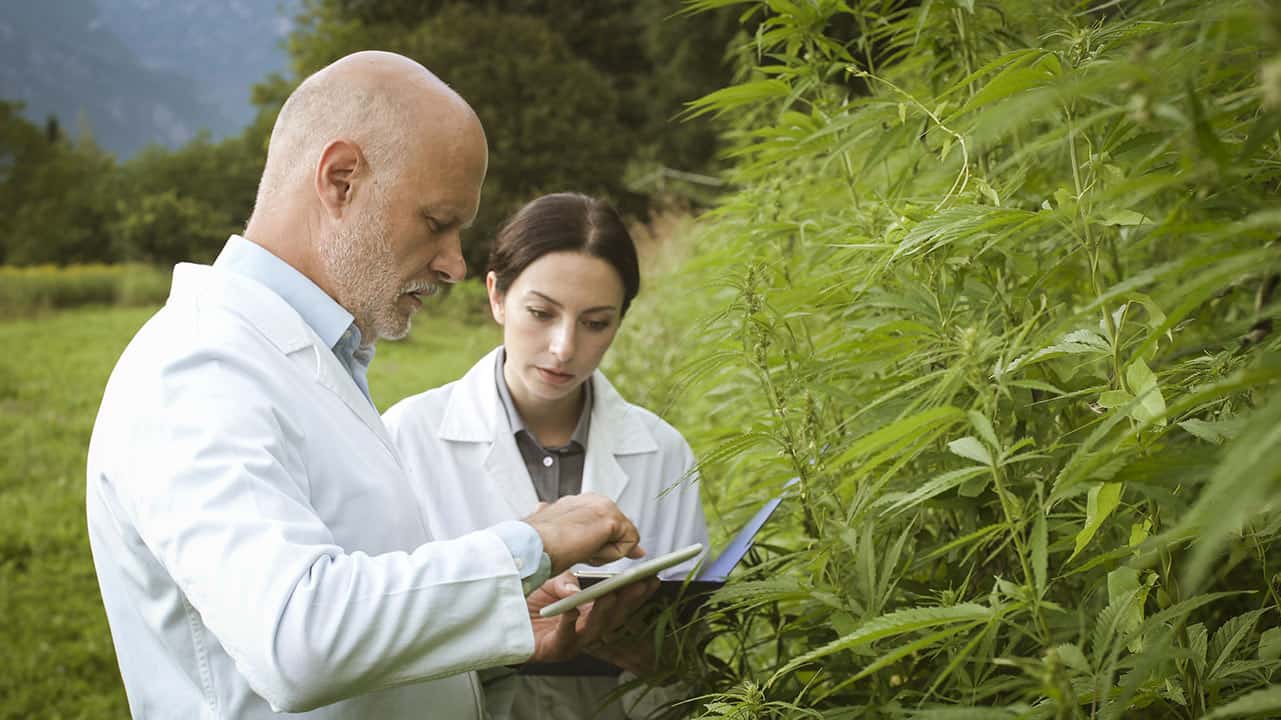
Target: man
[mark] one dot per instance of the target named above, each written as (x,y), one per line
(256,541)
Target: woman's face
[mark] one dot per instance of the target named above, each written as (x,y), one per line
(558,318)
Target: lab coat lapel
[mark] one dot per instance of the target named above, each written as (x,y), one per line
(286,329)
(474,416)
(334,377)
(616,430)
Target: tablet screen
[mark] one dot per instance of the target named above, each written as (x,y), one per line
(639,571)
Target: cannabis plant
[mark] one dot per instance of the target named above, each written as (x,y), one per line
(996,282)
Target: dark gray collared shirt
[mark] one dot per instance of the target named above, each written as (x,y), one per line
(555,472)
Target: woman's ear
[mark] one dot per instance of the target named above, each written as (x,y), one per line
(495,297)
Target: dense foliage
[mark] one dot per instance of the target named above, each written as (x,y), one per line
(573,96)
(1006,310)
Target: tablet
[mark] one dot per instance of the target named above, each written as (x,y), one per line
(639,571)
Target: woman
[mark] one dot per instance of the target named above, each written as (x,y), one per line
(536,420)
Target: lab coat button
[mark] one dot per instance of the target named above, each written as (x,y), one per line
(547,461)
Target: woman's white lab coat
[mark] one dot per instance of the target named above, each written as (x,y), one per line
(463,462)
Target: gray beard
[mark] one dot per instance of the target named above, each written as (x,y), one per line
(359,263)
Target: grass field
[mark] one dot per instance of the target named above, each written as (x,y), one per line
(56,659)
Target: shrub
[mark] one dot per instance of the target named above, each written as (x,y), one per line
(46,287)
(1007,314)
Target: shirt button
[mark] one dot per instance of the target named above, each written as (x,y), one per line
(547,461)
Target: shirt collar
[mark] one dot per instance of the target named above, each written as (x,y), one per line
(517,423)
(326,317)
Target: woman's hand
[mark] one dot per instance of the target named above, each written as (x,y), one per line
(586,628)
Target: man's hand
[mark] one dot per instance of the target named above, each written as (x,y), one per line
(585,528)
(585,628)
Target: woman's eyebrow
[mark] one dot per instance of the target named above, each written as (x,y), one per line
(553,301)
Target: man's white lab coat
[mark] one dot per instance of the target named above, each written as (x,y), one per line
(468,473)
(257,541)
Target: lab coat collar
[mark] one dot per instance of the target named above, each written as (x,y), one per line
(474,415)
(268,313)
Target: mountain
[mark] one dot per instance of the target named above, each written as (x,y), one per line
(138,72)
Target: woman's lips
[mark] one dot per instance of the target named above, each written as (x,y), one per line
(553,377)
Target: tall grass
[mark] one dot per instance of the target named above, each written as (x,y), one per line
(998,284)
(47,287)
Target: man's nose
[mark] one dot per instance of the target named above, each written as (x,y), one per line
(449,264)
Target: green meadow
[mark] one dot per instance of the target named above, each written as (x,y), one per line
(55,649)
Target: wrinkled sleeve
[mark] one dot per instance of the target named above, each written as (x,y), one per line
(218,490)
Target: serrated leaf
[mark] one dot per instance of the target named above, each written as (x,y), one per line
(1230,635)
(931,419)
(1213,432)
(895,623)
(936,486)
(1270,644)
(1072,657)
(1101,501)
(984,428)
(734,96)
(1267,700)
(970,448)
(1198,644)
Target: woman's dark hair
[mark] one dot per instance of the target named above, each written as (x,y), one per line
(565,222)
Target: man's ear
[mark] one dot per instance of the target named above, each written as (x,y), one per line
(340,167)
(495,297)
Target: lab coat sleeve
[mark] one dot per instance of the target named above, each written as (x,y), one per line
(215,483)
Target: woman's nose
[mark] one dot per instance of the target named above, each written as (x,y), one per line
(562,344)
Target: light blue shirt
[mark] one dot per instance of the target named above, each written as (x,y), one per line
(331,321)
(337,328)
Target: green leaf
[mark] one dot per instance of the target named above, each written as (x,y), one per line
(1229,636)
(895,623)
(1072,656)
(984,428)
(1125,218)
(934,487)
(1270,644)
(1102,500)
(1267,700)
(1143,384)
(1114,398)
(748,93)
(1014,79)
(1213,432)
(1243,485)
(932,419)
(969,447)
(1040,544)
(1205,135)
(1263,130)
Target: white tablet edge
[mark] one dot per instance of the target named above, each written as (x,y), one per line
(639,571)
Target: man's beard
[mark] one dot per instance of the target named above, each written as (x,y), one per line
(361,267)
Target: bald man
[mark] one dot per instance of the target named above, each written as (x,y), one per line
(256,541)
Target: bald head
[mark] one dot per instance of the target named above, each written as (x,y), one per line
(373,169)
(381,101)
